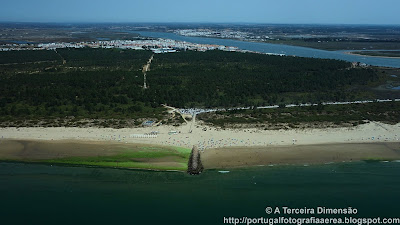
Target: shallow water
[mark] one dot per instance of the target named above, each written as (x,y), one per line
(44,194)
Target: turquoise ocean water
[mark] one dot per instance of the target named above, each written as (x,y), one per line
(45,194)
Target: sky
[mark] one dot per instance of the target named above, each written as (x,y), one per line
(219,11)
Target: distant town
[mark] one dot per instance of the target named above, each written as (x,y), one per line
(157,45)
(222,33)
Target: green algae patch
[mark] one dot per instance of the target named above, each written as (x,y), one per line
(116,155)
(157,158)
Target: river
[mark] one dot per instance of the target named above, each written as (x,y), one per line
(278,49)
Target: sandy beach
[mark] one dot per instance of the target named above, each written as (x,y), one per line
(209,137)
(226,148)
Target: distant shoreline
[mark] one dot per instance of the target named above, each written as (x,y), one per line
(353,53)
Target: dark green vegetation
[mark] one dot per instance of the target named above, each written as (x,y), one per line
(300,117)
(216,78)
(390,78)
(15,57)
(111,59)
(379,53)
(103,87)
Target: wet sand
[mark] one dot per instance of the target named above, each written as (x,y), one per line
(299,154)
(229,157)
(27,149)
(48,151)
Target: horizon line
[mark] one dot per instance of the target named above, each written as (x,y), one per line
(203,22)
